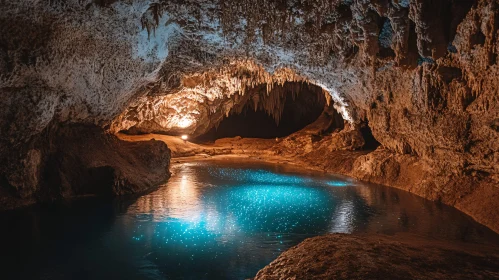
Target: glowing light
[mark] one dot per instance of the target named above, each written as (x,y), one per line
(185,137)
(338,183)
(185,122)
(257,176)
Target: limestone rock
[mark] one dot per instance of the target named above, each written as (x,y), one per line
(340,256)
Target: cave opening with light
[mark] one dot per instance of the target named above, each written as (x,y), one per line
(249,139)
(286,109)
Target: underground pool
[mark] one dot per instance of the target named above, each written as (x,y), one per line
(214,220)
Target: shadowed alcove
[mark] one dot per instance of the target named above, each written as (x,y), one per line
(285,109)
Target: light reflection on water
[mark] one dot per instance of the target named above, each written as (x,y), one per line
(216,221)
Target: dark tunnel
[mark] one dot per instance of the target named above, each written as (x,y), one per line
(284,110)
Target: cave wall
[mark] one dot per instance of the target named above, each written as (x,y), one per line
(64,63)
(422,73)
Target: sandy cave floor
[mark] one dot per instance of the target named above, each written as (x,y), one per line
(267,150)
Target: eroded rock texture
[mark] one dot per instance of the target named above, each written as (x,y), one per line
(338,256)
(421,74)
(82,160)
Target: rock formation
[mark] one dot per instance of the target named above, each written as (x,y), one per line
(339,256)
(421,74)
(82,160)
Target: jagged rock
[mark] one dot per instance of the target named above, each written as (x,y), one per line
(347,139)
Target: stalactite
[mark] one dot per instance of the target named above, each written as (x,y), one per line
(150,19)
(272,19)
(327,96)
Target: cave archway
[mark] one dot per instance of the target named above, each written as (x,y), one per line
(267,114)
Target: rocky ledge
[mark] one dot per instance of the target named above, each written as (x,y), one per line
(82,160)
(340,256)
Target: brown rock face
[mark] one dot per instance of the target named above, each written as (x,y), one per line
(82,160)
(338,256)
(88,161)
(421,74)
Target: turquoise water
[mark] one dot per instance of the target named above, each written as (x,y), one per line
(213,220)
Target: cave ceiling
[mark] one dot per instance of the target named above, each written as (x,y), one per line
(180,66)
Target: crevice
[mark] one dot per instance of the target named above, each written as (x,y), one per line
(467,98)
(449,73)
(459,11)
(495,125)
(351,52)
(478,39)
(410,59)
(371,143)
(408,150)
(492,59)
(150,19)
(385,38)
(104,3)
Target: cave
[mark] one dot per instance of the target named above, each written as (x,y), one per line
(370,141)
(318,139)
(298,105)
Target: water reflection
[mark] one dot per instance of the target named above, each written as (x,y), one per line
(343,218)
(215,212)
(241,201)
(215,221)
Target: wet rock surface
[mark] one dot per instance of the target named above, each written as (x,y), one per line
(340,256)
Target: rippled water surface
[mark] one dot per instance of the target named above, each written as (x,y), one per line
(213,220)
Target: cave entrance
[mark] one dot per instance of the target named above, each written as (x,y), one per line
(267,114)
